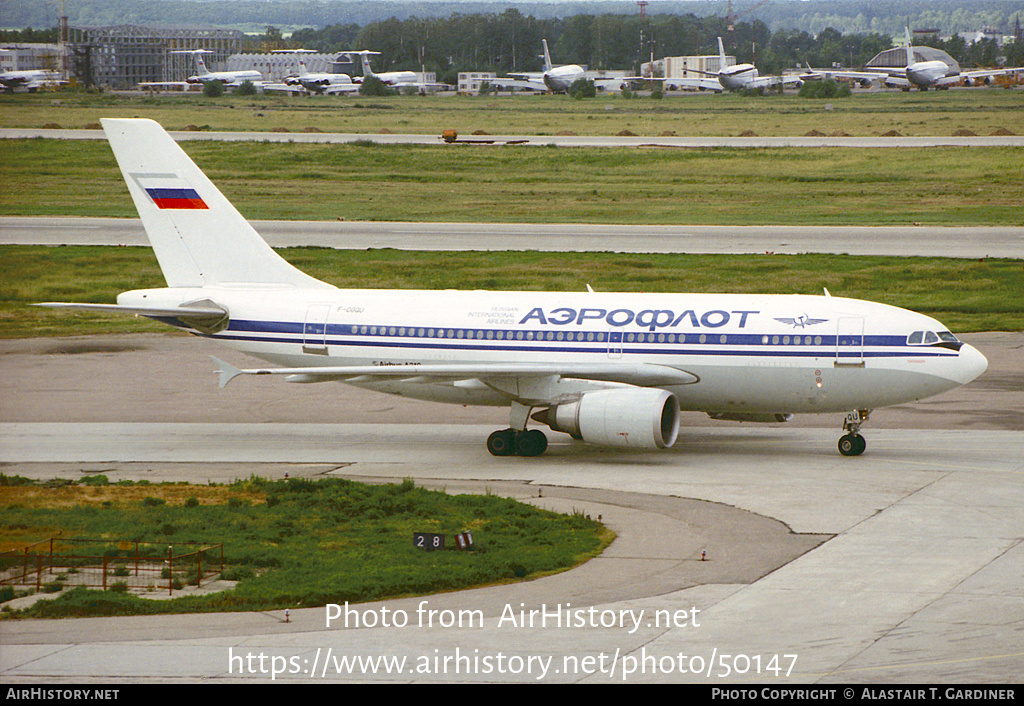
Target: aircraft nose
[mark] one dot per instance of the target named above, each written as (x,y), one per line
(970,365)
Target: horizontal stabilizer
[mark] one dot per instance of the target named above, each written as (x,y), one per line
(208,319)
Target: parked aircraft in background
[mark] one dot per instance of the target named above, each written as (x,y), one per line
(230,79)
(611,369)
(936,73)
(329,83)
(395,79)
(740,77)
(556,79)
(31,80)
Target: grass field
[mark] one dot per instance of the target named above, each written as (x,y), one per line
(865,113)
(298,542)
(457,183)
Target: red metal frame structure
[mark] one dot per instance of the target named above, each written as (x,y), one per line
(138,565)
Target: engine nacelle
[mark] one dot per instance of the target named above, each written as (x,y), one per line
(642,418)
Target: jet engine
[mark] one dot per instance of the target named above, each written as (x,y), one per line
(642,418)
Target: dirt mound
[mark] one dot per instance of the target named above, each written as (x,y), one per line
(999,132)
(626,133)
(963,133)
(891,133)
(814,133)
(748,133)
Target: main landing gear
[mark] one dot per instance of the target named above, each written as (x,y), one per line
(852,443)
(509,442)
(517,440)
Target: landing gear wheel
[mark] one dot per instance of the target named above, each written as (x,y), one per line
(531,443)
(852,445)
(502,443)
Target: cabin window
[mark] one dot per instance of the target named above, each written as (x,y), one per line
(930,337)
(915,337)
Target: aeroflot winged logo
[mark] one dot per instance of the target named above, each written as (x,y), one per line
(169,191)
(801,321)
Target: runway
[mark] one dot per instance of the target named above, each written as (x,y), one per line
(634,141)
(900,566)
(896,241)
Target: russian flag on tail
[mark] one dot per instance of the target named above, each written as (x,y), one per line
(176,198)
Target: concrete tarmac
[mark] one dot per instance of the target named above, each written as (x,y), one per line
(897,241)
(900,566)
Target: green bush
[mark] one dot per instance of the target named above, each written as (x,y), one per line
(582,88)
(213,89)
(824,89)
(373,86)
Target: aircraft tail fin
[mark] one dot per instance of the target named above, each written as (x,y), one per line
(365,56)
(721,55)
(201,69)
(198,237)
(547,56)
(910,49)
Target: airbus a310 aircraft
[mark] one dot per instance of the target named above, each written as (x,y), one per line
(612,369)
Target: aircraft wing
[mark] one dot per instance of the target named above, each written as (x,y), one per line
(694,84)
(540,378)
(897,80)
(985,76)
(283,87)
(510,83)
(341,88)
(841,74)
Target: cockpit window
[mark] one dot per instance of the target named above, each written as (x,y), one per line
(942,339)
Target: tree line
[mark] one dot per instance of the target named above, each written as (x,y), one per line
(510,42)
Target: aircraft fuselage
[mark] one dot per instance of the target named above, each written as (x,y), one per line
(745,353)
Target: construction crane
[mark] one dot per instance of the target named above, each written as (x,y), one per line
(731,17)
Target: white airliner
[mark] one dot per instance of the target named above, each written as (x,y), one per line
(556,79)
(231,79)
(31,80)
(936,73)
(612,369)
(737,77)
(395,79)
(329,83)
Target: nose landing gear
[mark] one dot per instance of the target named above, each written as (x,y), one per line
(852,443)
